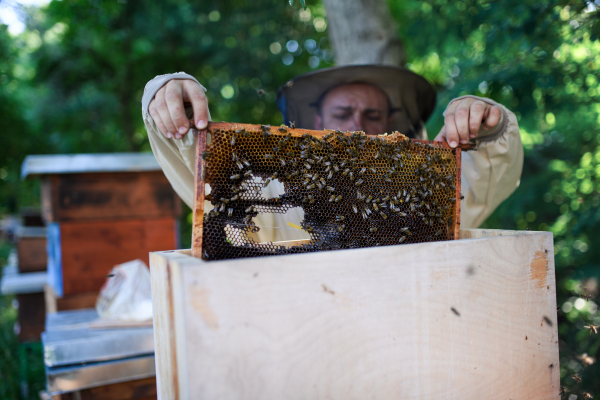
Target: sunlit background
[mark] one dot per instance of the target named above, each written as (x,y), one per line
(72,74)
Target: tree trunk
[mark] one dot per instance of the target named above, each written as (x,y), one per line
(363,32)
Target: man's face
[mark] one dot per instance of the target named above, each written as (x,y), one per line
(355,107)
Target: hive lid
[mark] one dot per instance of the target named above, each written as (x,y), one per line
(354,190)
(80,163)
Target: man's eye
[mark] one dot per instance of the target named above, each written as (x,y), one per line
(341,117)
(374,117)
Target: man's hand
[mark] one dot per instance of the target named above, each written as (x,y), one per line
(465,117)
(168,111)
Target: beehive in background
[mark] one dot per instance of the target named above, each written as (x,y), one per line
(101,210)
(355,190)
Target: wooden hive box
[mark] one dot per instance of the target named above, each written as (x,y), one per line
(31,249)
(473,318)
(101,210)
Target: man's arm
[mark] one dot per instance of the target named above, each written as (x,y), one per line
(493,172)
(175,152)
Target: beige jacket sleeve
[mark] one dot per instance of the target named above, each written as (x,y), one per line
(492,172)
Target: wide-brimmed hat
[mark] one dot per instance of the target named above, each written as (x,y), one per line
(411,96)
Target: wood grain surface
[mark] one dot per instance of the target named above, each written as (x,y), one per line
(463,319)
(90,249)
(95,196)
(32,254)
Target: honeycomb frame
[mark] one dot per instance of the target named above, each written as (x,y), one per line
(356,190)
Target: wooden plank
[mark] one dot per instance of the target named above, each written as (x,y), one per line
(465,319)
(89,249)
(32,255)
(93,196)
(32,316)
(199,186)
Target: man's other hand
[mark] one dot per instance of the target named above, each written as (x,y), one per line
(465,117)
(168,110)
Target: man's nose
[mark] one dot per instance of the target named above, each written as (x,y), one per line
(357,122)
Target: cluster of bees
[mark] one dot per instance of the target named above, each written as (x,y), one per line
(355,190)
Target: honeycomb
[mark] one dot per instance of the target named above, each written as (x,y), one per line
(356,190)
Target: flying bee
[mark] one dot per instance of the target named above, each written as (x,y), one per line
(577,378)
(586,296)
(592,328)
(587,396)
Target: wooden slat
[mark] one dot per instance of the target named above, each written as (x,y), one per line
(89,249)
(32,255)
(469,319)
(32,316)
(200,165)
(94,196)
(141,389)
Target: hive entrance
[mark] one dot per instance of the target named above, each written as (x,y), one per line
(355,190)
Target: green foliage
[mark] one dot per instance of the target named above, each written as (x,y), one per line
(541,59)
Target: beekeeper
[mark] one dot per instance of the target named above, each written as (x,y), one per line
(370,98)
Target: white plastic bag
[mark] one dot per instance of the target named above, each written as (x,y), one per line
(126,295)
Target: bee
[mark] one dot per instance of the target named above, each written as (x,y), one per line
(336,168)
(373,229)
(234,198)
(402,239)
(292,125)
(592,328)
(341,228)
(246,162)
(229,212)
(235,177)
(307,165)
(282,162)
(346,171)
(267,181)
(332,198)
(354,208)
(330,189)
(268,156)
(339,218)
(282,129)
(246,133)
(232,140)
(248,173)
(311,199)
(438,233)
(586,395)
(369,198)
(311,186)
(274,176)
(337,199)
(256,189)
(373,170)
(375,207)
(330,175)
(562,391)
(206,154)
(320,186)
(358,182)
(577,378)
(586,296)
(383,215)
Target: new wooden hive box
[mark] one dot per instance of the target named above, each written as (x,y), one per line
(469,318)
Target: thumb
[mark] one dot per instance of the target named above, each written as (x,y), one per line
(441,137)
